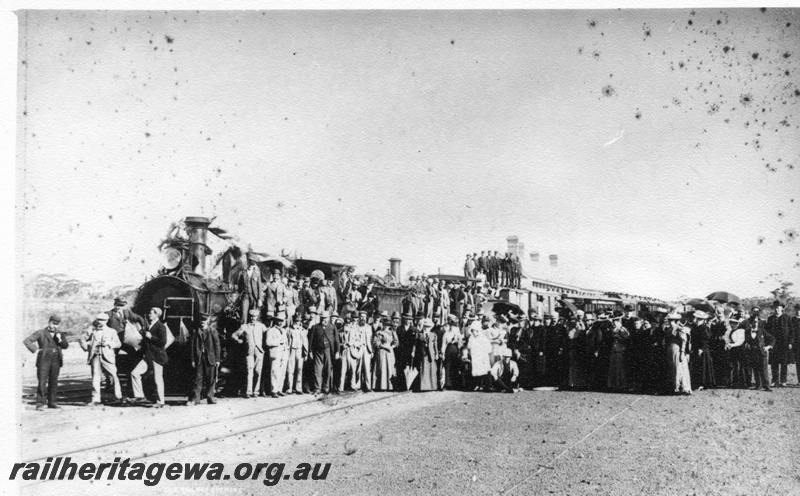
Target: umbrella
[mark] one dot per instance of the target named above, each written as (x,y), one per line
(504,307)
(411,374)
(695,301)
(566,304)
(724,297)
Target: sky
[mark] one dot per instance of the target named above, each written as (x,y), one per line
(656,152)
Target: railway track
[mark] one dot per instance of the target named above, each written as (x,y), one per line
(194,433)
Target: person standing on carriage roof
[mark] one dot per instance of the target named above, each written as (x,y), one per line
(118,317)
(205,360)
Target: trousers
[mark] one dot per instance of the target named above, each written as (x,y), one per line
(366,369)
(47,373)
(136,379)
(277,368)
(351,365)
(254,364)
(98,367)
(205,380)
(323,370)
(294,371)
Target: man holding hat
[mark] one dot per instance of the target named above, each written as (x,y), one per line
(119,317)
(154,343)
(205,360)
(251,335)
(276,342)
(49,342)
(780,326)
(101,341)
(324,343)
(505,373)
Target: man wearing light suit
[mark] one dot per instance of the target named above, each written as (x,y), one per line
(101,341)
(251,335)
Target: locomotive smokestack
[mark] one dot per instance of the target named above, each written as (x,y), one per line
(197,229)
(394,269)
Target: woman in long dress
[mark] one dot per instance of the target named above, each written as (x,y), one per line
(451,344)
(479,348)
(425,356)
(617,378)
(678,347)
(384,342)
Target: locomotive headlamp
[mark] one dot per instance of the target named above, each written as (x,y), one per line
(172,258)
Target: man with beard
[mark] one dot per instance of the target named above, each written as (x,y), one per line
(324,344)
(780,326)
(757,343)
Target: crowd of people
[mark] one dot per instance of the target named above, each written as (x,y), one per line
(317,351)
(494,269)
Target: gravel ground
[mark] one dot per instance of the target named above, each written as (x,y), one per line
(713,442)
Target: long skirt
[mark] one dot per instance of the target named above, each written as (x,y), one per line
(703,370)
(385,371)
(525,364)
(428,375)
(577,370)
(679,378)
(617,378)
(452,365)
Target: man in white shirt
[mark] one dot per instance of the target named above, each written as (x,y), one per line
(251,335)
(101,341)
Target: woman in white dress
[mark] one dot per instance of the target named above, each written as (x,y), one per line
(479,349)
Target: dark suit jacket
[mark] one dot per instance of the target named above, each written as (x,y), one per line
(480,263)
(781,330)
(250,284)
(206,340)
(119,325)
(154,350)
(46,344)
(317,337)
(762,338)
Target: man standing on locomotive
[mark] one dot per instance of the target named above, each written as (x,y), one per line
(49,361)
(251,287)
(205,360)
(276,296)
(155,357)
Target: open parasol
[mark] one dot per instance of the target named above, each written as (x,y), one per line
(724,297)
